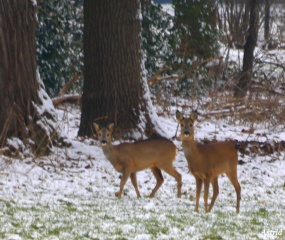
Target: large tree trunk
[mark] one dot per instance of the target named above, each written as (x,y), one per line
(115,86)
(25,109)
(243,84)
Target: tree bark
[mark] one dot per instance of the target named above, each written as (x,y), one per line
(24,109)
(244,82)
(115,87)
(267,21)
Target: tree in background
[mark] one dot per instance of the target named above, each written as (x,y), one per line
(115,86)
(173,45)
(59,35)
(179,47)
(267,20)
(26,112)
(196,22)
(158,38)
(233,22)
(243,84)
(59,41)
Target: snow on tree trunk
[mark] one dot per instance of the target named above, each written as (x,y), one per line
(115,87)
(26,111)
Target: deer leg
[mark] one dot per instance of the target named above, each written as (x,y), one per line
(159,180)
(199,183)
(233,178)
(215,186)
(172,172)
(206,193)
(135,184)
(125,176)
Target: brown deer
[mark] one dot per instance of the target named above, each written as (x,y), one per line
(207,161)
(128,158)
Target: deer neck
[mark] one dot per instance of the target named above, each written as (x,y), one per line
(110,152)
(190,148)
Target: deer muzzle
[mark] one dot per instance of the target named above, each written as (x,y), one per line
(186,134)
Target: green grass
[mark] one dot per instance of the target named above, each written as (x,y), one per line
(129,218)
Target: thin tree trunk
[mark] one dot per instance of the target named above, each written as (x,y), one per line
(243,85)
(267,21)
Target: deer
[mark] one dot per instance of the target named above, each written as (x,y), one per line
(128,158)
(207,161)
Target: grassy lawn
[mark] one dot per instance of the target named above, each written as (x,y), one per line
(102,217)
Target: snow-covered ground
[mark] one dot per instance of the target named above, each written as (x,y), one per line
(70,194)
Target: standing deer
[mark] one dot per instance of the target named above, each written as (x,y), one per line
(128,158)
(207,161)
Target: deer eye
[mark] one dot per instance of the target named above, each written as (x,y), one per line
(182,125)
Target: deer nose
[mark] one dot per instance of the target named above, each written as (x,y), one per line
(186,134)
(103,142)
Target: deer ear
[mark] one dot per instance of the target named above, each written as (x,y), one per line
(96,126)
(179,115)
(111,126)
(194,115)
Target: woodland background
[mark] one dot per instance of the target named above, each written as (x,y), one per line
(66,63)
